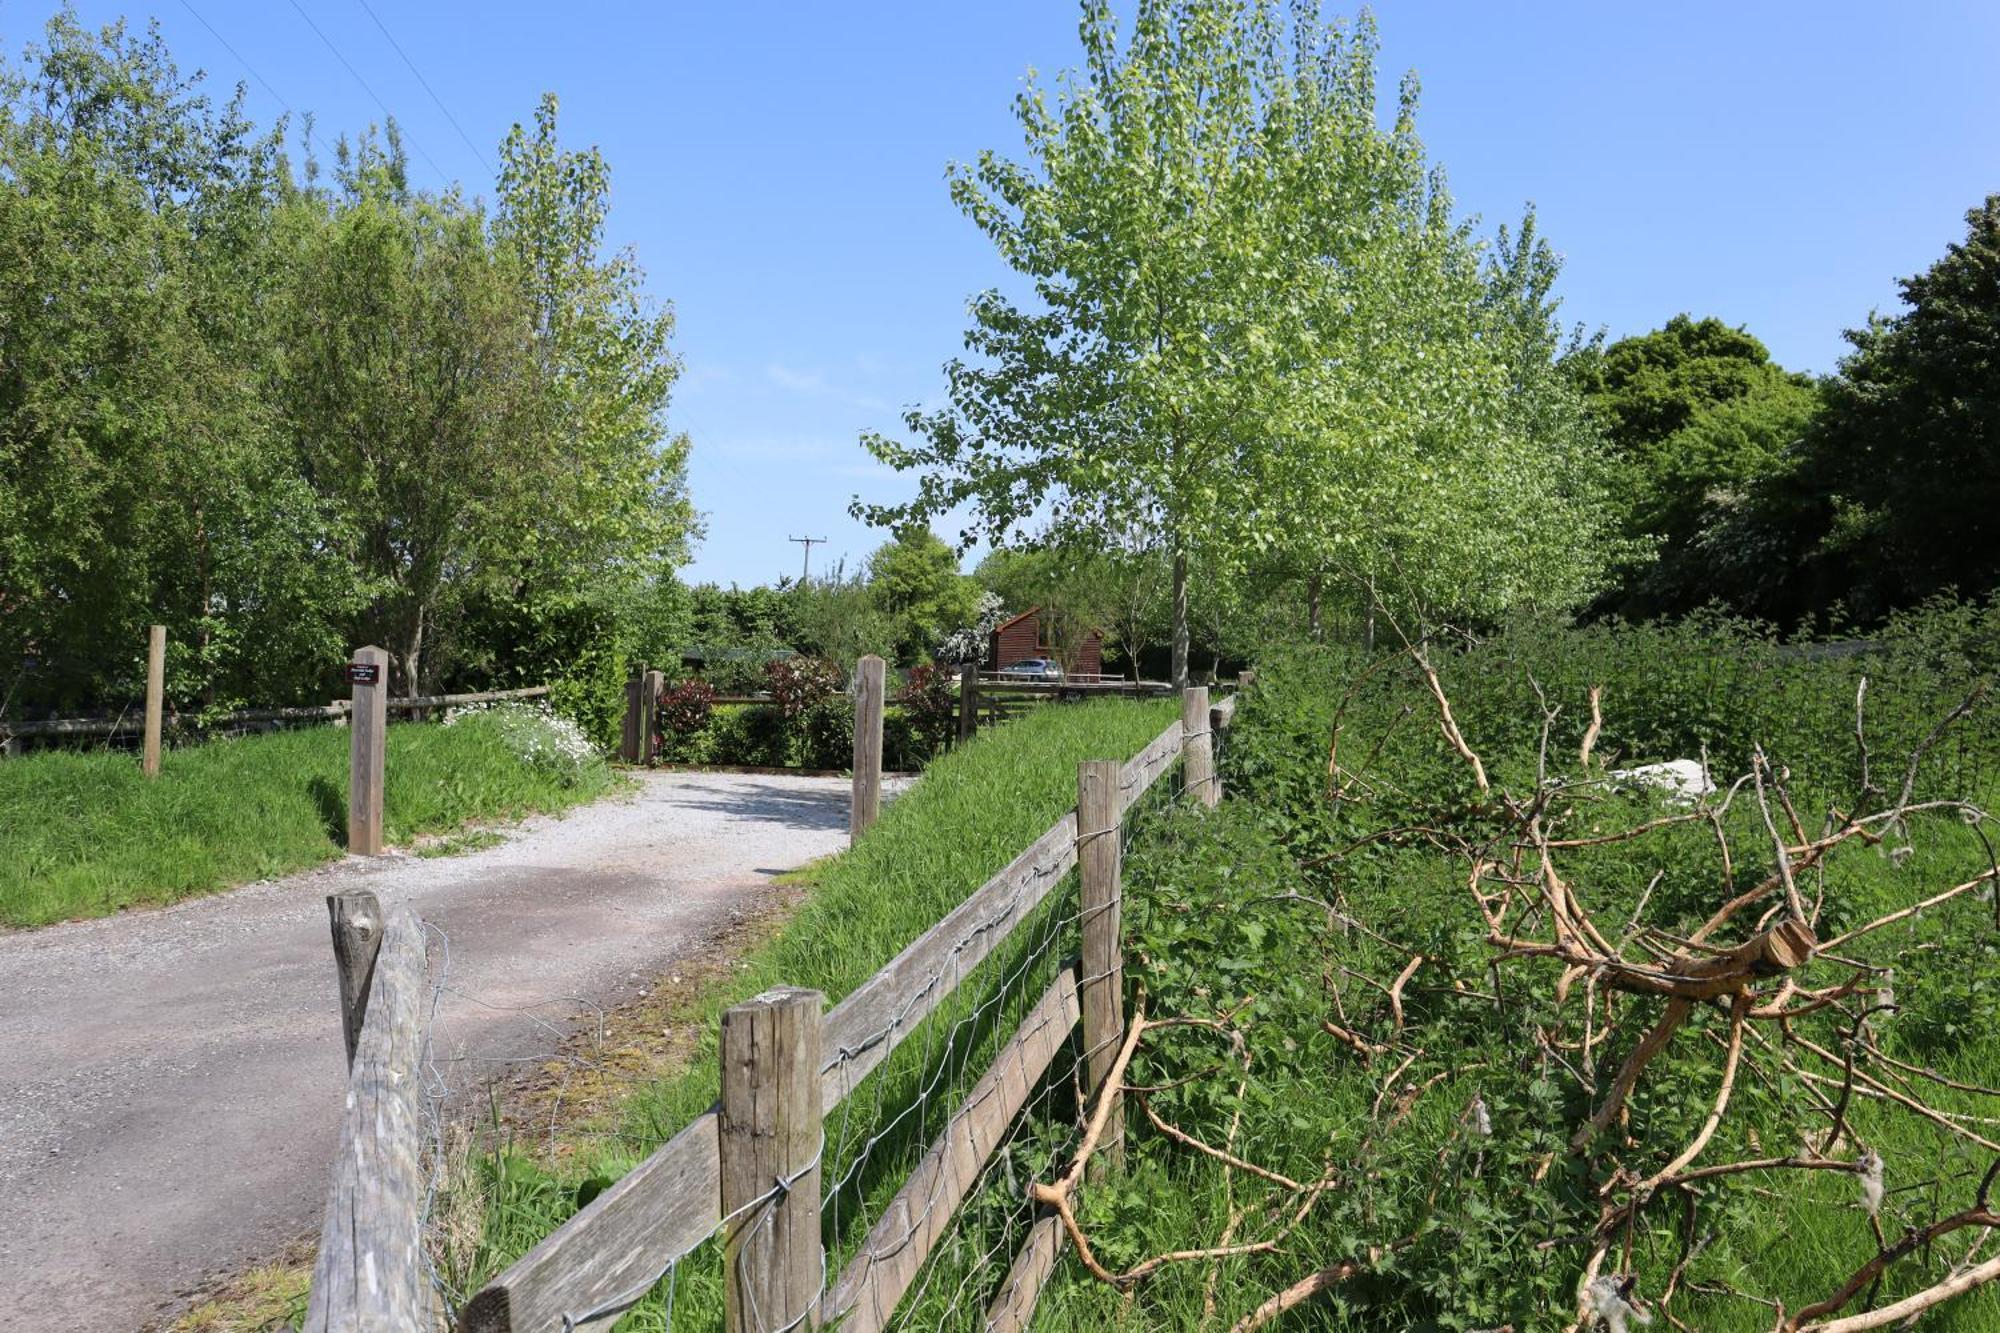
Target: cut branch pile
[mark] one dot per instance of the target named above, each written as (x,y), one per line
(1744,981)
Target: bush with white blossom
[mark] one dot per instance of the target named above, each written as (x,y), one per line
(537,736)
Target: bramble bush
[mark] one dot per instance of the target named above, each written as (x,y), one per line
(1442,1118)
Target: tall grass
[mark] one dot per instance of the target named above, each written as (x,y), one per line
(85,834)
(1457,1230)
(975,809)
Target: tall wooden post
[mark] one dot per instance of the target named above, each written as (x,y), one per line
(357,937)
(156,692)
(1197,744)
(769,1142)
(649,712)
(628,740)
(1098,815)
(368,733)
(870,685)
(968,701)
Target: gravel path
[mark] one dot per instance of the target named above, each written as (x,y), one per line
(170,1081)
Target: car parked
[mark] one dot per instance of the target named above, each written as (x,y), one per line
(1034,668)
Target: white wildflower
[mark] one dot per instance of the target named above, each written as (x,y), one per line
(1607,1298)
(1870,1163)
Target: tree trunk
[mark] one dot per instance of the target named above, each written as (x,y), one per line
(1368,631)
(1312,608)
(413,657)
(1180,671)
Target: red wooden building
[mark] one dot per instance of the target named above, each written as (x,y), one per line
(1021,638)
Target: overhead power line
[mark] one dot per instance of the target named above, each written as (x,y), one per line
(466,138)
(328,43)
(261,80)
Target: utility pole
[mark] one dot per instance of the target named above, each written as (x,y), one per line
(808,543)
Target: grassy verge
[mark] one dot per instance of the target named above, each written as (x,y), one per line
(974,810)
(86,835)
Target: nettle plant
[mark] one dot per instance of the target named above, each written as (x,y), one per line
(1437,1034)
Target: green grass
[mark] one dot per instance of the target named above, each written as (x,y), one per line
(86,834)
(974,810)
(1490,1223)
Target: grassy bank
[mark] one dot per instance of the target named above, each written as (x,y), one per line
(975,809)
(85,834)
(1441,1123)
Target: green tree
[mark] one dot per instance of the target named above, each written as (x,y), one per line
(1908,453)
(141,479)
(1152,354)
(411,398)
(614,509)
(840,617)
(1255,329)
(915,581)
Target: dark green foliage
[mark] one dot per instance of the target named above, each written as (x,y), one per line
(285,414)
(1695,413)
(1908,455)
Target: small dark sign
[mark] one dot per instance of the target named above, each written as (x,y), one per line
(364,673)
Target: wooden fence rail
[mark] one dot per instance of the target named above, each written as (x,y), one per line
(335,711)
(588,1271)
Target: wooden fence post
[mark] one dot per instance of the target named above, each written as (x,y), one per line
(968,701)
(369,1274)
(1197,744)
(357,938)
(769,1141)
(628,741)
(1099,812)
(871,683)
(156,689)
(649,712)
(368,724)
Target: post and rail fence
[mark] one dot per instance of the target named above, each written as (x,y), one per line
(153,721)
(749,1169)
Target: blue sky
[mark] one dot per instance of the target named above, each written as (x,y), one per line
(780,170)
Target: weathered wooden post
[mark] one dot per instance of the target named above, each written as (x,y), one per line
(635,703)
(769,1144)
(369,1274)
(649,712)
(968,701)
(357,937)
(1215,728)
(870,685)
(1197,744)
(156,691)
(1099,813)
(368,732)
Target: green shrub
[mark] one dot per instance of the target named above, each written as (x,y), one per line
(591,693)
(1456,1184)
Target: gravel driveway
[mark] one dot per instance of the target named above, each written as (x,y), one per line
(171,1081)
